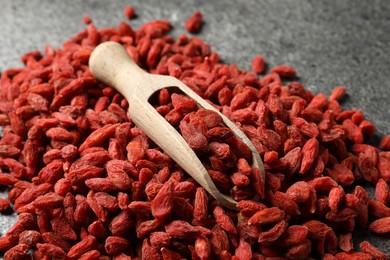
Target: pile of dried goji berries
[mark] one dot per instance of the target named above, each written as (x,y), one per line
(88,184)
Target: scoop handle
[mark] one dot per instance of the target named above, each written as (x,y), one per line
(110,63)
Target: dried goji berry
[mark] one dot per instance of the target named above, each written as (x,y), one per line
(194,23)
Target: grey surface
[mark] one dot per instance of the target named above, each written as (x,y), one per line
(330,43)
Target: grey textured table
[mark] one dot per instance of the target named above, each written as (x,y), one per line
(330,43)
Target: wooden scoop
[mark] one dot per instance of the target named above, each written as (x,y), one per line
(111,64)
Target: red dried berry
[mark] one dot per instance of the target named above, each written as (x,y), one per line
(194,22)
